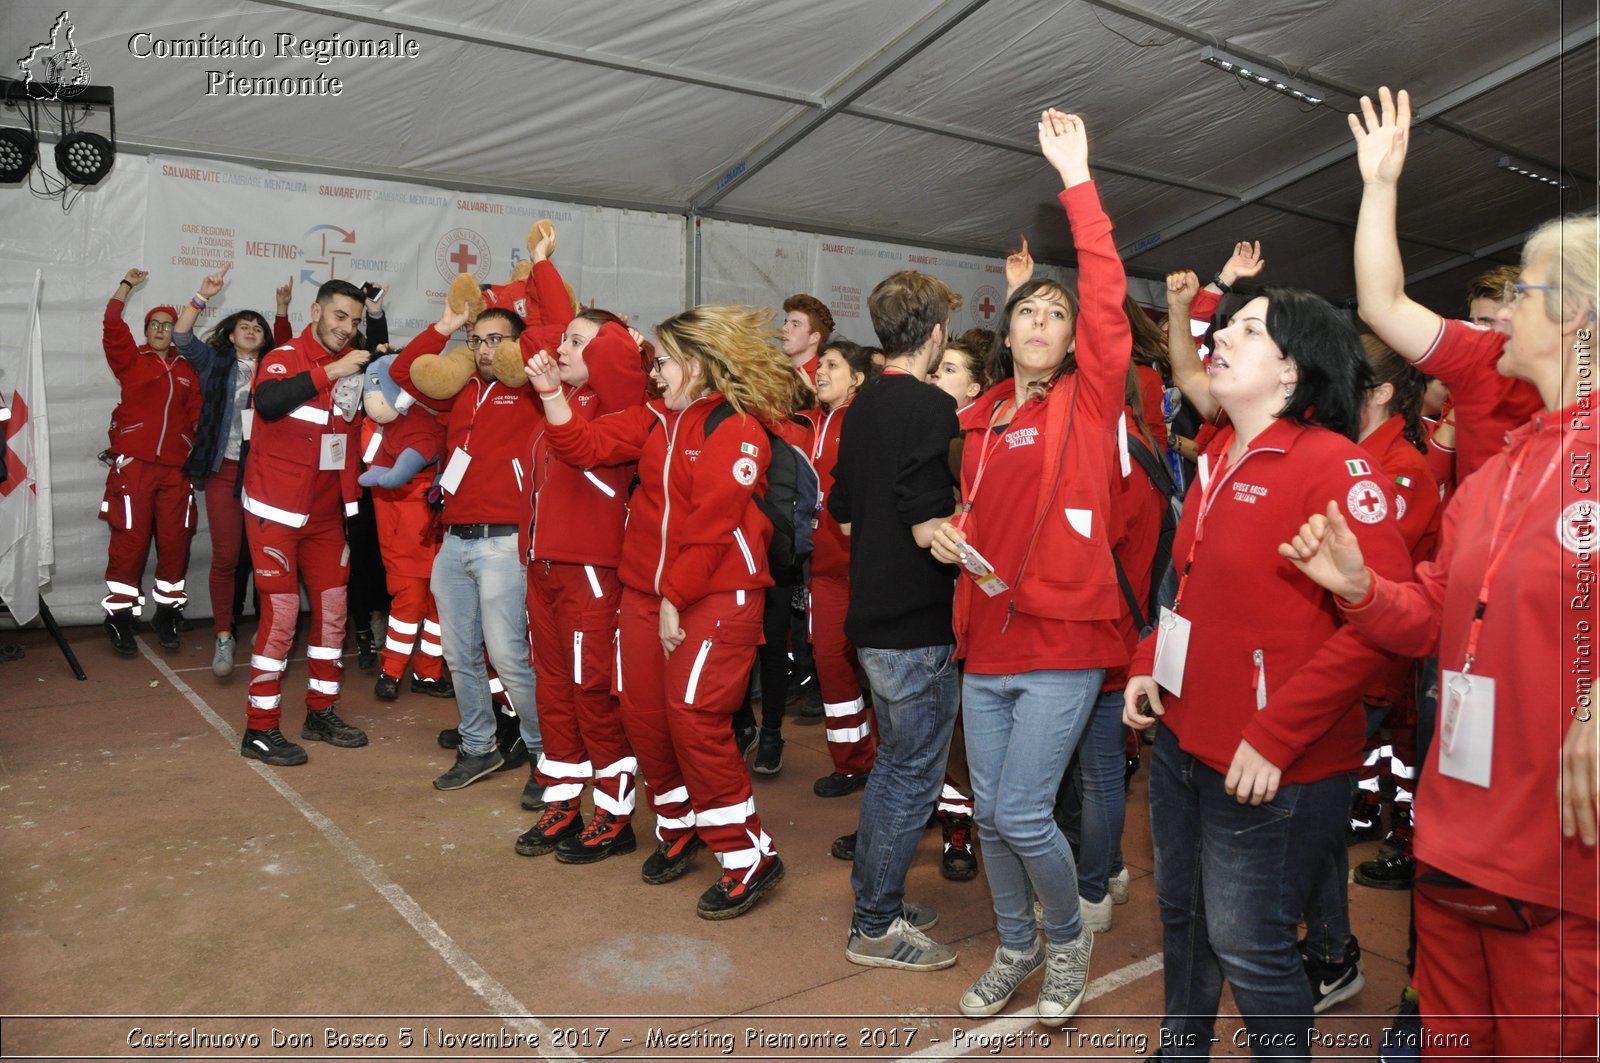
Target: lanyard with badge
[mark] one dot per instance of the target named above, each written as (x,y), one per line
(1172,630)
(976,565)
(1466,722)
(459,458)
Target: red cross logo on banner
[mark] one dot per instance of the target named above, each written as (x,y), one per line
(463,258)
(16,471)
(986,308)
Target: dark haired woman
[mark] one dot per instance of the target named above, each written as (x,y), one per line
(225,361)
(1260,691)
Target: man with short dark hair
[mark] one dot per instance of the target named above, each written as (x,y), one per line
(892,488)
(299,485)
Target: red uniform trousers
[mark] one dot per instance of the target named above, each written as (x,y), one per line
(1497,994)
(146,501)
(849,722)
(676,713)
(283,555)
(225,519)
(572,618)
(409,540)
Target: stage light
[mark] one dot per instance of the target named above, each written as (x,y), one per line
(84,158)
(1254,73)
(18,152)
(1533,171)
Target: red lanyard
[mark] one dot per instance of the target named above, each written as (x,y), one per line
(1208,495)
(989,436)
(476,406)
(1498,548)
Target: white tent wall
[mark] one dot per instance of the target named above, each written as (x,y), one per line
(181,218)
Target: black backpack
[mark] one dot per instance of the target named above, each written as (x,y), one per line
(791,502)
(1163,578)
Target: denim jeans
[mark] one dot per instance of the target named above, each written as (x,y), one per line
(1102,767)
(1020,732)
(1328,913)
(914,693)
(1232,880)
(481,589)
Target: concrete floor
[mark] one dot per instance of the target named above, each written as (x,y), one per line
(164,897)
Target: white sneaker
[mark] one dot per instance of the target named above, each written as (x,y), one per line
(1117,887)
(1066,979)
(902,946)
(222,659)
(1096,914)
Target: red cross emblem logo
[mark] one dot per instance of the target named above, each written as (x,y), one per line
(1366,502)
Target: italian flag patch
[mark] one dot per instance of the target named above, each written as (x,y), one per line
(1358,468)
(1405,481)
(749,448)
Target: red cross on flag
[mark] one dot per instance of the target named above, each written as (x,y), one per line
(27,536)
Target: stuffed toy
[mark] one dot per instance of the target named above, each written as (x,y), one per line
(409,437)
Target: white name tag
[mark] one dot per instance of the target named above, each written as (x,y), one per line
(247,420)
(1466,726)
(333,452)
(1172,651)
(455,470)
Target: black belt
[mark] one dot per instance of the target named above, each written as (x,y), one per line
(481,531)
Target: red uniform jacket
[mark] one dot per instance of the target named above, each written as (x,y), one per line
(283,477)
(694,528)
(1269,661)
(830,546)
(1534,643)
(1487,404)
(159,407)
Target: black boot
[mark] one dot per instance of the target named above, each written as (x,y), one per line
(119,626)
(165,624)
(366,647)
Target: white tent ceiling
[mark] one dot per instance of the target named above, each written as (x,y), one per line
(906,120)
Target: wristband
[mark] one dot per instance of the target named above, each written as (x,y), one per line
(547,395)
(198,303)
(1220,283)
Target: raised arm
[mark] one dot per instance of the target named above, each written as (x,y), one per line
(117,338)
(1188,371)
(282,331)
(189,313)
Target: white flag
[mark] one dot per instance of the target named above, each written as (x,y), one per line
(27,527)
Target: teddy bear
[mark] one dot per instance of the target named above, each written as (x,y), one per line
(409,437)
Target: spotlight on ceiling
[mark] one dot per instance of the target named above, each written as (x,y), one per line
(1533,171)
(1249,70)
(84,158)
(18,152)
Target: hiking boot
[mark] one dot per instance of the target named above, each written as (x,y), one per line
(561,820)
(1333,982)
(902,946)
(744,738)
(450,738)
(959,862)
(731,895)
(270,747)
(222,658)
(992,991)
(1117,887)
(1066,979)
(387,688)
(844,846)
(508,737)
(1096,915)
(769,752)
(671,859)
(923,917)
(532,790)
(468,769)
(165,625)
(434,688)
(606,835)
(366,647)
(120,626)
(838,784)
(325,726)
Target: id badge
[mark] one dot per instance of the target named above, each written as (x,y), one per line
(1172,651)
(1466,726)
(455,470)
(333,452)
(982,573)
(247,420)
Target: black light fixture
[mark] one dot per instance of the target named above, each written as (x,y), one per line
(18,152)
(84,158)
(1533,171)
(1256,73)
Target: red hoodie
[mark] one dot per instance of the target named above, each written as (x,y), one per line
(159,406)
(694,526)
(1487,404)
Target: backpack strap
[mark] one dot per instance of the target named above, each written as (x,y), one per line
(1127,593)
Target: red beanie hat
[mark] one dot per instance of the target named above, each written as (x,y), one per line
(170,311)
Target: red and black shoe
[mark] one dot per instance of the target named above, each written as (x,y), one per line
(606,835)
(960,861)
(732,895)
(561,820)
(671,859)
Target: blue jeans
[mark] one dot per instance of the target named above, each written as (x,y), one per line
(914,694)
(1232,880)
(1020,732)
(1102,766)
(1328,914)
(481,589)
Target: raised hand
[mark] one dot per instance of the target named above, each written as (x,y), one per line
(211,284)
(1245,262)
(135,277)
(544,373)
(451,318)
(1329,553)
(542,239)
(1381,138)
(285,293)
(1019,268)
(1065,144)
(1182,287)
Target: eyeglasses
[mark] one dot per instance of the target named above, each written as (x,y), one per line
(1519,290)
(494,339)
(160,326)
(661,361)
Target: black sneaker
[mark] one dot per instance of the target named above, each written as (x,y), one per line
(1333,982)
(325,726)
(806,703)
(387,688)
(960,861)
(366,647)
(744,738)
(1390,871)
(468,769)
(844,846)
(270,747)
(450,738)
(732,896)
(120,626)
(671,859)
(769,752)
(561,820)
(434,688)
(533,791)
(606,835)
(165,625)
(838,784)
(508,737)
